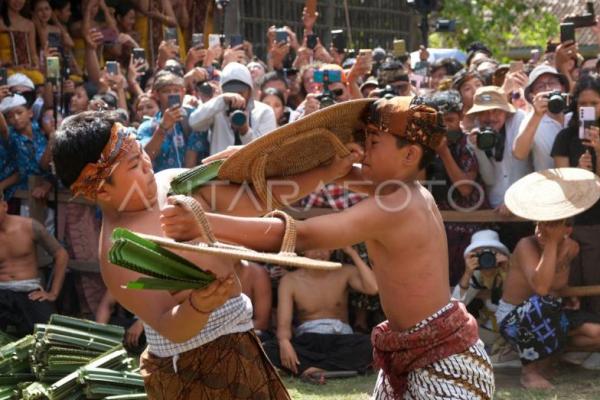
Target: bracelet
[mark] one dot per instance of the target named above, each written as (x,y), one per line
(199,311)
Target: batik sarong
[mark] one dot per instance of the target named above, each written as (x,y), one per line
(537,328)
(439,358)
(232,367)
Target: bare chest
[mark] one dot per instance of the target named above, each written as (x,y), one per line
(15,244)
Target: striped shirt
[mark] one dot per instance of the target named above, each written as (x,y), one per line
(235,316)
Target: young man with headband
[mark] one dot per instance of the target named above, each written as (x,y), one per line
(429,347)
(201,343)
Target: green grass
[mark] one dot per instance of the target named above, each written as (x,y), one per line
(572,383)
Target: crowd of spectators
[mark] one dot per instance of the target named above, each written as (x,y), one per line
(191,97)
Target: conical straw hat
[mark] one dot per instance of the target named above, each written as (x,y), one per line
(553,194)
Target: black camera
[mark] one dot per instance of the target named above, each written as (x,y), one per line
(328,96)
(557,102)
(386,93)
(237,117)
(486,138)
(445,25)
(487,259)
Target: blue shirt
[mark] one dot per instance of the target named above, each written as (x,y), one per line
(28,153)
(175,144)
(8,166)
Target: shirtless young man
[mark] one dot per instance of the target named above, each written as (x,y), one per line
(319,300)
(405,237)
(23,301)
(186,331)
(531,315)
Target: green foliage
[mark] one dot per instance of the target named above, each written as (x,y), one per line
(497,24)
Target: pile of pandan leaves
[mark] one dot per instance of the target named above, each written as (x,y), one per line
(69,359)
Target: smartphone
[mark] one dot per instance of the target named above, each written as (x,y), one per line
(236,40)
(139,54)
(567,32)
(338,40)
(53,69)
(367,52)
(3,76)
(330,76)
(198,40)
(214,39)
(112,67)
(109,36)
(535,56)
(54,41)
(399,49)
(281,35)
(587,118)
(170,34)
(515,66)
(312,40)
(174,101)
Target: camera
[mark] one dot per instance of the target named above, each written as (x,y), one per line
(557,102)
(486,259)
(486,138)
(445,25)
(327,97)
(237,117)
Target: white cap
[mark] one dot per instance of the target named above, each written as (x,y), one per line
(19,79)
(486,239)
(10,102)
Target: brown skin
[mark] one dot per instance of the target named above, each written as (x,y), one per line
(133,199)
(256,284)
(408,245)
(315,294)
(18,255)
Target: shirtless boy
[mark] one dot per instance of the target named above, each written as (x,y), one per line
(531,313)
(405,237)
(186,331)
(23,301)
(323,341)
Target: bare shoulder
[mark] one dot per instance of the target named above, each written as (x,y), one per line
(573,248)
(257,270)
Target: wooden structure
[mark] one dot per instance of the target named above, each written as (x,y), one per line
(373,22)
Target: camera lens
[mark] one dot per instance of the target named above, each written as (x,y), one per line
(556,103)
(487,259)
(238,118)
(486,139)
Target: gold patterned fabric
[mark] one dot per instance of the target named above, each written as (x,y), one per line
(403,116)
(232,367)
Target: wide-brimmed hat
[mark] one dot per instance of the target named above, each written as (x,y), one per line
(486,238)
(553,194)
(286,256)
(490,98)
(542,70)
(297,147)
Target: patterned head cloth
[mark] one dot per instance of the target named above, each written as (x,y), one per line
(408,118)
(93,175)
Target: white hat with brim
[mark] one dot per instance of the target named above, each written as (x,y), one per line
(486,239)
(553,194)
(19,79)
(490,98)
(10,102)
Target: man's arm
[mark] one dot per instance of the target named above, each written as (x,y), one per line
(8,182)
(285,309)
(262,298)
(362,278)
(524,140)
(201,119)
(61,258)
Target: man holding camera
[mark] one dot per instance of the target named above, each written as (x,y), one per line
(539,129)
(234,117)
(497,124)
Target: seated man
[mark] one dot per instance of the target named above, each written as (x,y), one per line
(23,301)
(323,340)
(531,313)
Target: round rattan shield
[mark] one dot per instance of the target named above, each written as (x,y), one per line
(553,194)
(299,146)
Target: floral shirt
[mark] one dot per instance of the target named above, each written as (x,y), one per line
(28,153)
(8,166)
(175,144)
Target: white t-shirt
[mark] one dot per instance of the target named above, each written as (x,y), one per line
(543,141)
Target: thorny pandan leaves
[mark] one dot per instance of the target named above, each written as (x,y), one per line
(498,24)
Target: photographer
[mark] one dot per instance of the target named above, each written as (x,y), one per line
(497,126)
(394,75)
(233,117)
(539,129)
